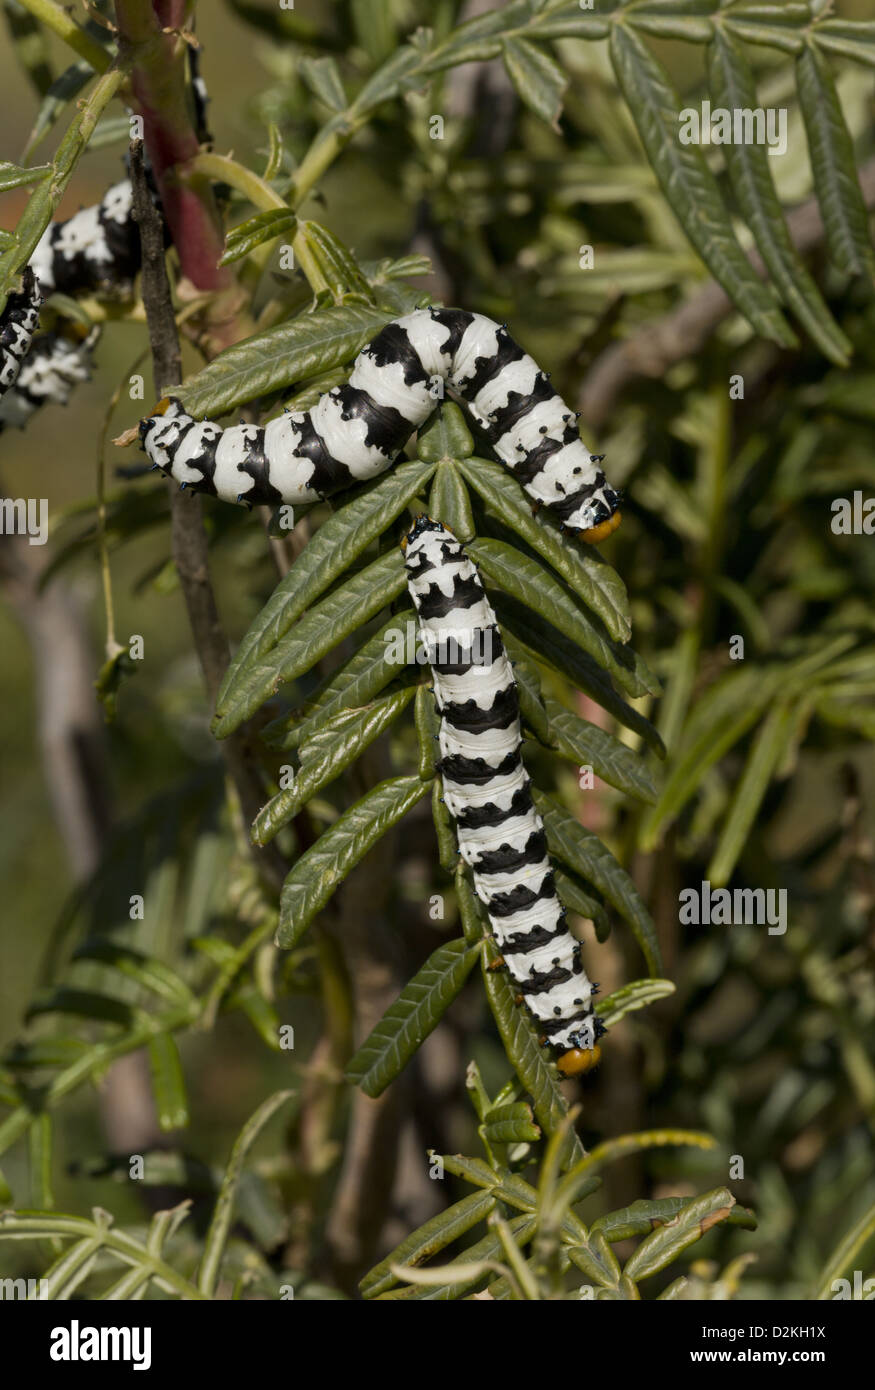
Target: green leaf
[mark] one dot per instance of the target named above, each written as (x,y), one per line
(528,684)
(845,1254)
(636,995)
(61,92)
(545,644)
(355,685)
(320,629)
(168,1082)
(31,45)
(580,565)
(264,226)
(445,437)
(641,1217)
(428,1240)
(531,584)
(326,864)
(448,849)
(220,1226)
(83,1004)
(522,1229)
(39,1143)
(510,1124)
(449,502)
(689,185)
(852,38)
(764,757)
(704,746)
(416,1012)
(537,78)
(310,344)
(575,897)
(13,176)
(152,974)
(733,87)
(693,1221)
(338,741)
(340,540)
(323,79)
(588,745)
(833,164)
(427,727)
(584,852)
(335,263)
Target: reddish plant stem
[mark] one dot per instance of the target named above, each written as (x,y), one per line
(158,86)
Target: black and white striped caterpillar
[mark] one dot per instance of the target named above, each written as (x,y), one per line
(355,431)
(17,327)
(97,250)
(487,791)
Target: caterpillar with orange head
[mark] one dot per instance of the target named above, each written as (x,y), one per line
(487,791)
(355,431)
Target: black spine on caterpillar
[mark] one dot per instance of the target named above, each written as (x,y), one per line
(17,326)
(355,431)
(487,791)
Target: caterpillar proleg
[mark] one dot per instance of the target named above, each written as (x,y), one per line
(487,791)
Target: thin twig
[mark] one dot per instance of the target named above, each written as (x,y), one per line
(188,536)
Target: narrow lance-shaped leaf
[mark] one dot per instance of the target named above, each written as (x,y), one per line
(341,740)
(689,185)
(326,864)
(246,236)
(469,1265)
(545,644)
(378,661)
(168,1082)
(588,745)
(321,628)
(442,1230)
(323,79)
(833,164)
(13,176)
(537,78)
(310,344)
(641,1217)
(763,759)
(733,87)
(415,1013)
(581,566)
(692,1222)
(852,1244)
(584,852)
(636,995)
(530,583)
(449,501)
(220,1226)
(335,263)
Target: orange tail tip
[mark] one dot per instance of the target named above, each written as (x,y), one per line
(602,531)
(579,1060)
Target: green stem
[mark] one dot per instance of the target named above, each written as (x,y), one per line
(222,169)
(59,20)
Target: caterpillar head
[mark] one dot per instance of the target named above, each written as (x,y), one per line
(421,524)
(604,514)
(578,1060)
(159,431)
